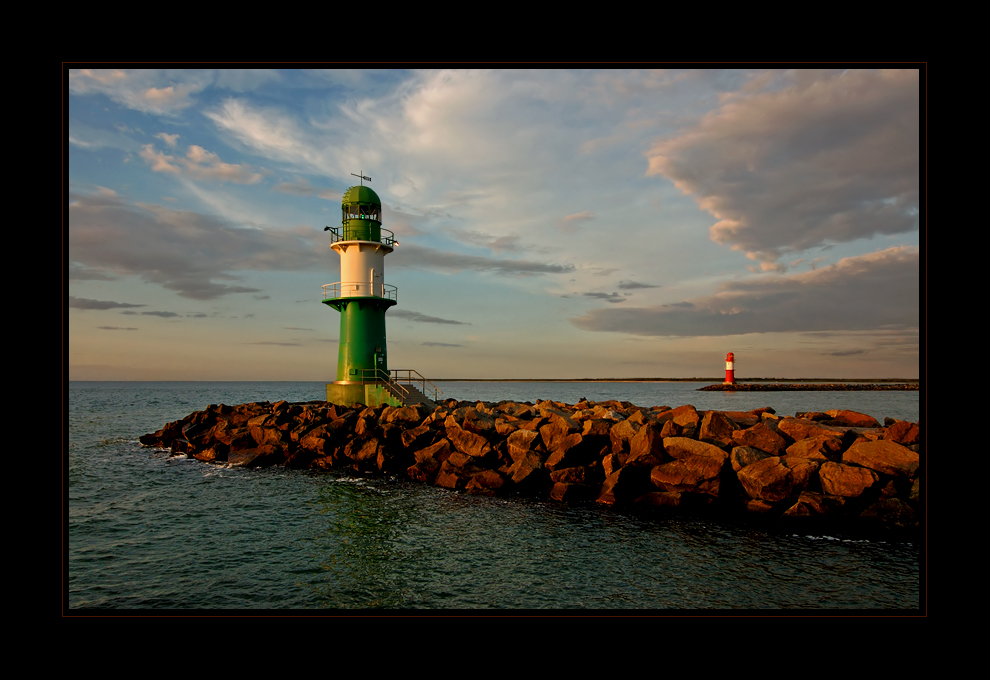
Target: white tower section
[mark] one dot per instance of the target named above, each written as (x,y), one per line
(362,268)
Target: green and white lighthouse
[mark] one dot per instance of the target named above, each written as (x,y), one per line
(362,298)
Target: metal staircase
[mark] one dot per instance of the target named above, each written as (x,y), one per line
(404,384)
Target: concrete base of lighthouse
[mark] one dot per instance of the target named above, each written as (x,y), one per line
(369,394)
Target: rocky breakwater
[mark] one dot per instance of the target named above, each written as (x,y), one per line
(836,466)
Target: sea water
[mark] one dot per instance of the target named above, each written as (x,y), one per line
(150,531)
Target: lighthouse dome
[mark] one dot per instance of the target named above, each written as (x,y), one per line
(361,194)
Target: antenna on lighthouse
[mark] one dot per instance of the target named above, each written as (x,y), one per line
(361,177)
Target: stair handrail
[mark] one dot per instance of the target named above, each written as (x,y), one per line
(382,376)
(419,378)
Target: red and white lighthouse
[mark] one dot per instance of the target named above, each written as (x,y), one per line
(730,371)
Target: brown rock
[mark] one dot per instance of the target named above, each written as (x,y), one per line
(569,452)
(903,433)
(683,447)
(823,447)
(884,456)
(646,447)
(801,428)
(558,428)
(521,442)
(717,426)
(743,419)
(505,427)
(261,456)
(686,416)
(451,477)
(853,419)
(527,471)
(624,485)
(571,492)
(695,474)
(437,453)
(762,437)
(470,443)
(741,456)
(620,434)
(611,463)
(417,437)
(775,479)
(575,475)
(485,483)
(362,449)
(892,512)
(849,481)
(811,504)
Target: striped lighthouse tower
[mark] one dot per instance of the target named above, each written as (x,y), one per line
(362,298)
(730,371)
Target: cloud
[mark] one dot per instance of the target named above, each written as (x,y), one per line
(571,223)
(168,139)
(877,290)
(187,252)
(496,244)
(85,303)
(818,160)
(440,344)
(423,318)
(633,285)
(147,90)
(410,255)
(608,297)
(199,164)
(299,187)
(281,344)
(115,328)
(164,315)
(273,134)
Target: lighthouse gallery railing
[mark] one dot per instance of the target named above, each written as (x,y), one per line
(348,233)
(339,289)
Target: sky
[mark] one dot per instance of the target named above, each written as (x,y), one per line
(550,223)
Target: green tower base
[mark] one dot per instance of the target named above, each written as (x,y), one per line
(369,394)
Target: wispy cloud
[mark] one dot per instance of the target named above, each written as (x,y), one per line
(806,162)
(84,303)
(571,223)
(147,90)
(188,252)
(199,164)
(633,285)
(870,291)
(423,318)
(412,255)
(608,297)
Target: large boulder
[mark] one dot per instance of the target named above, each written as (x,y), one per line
(849,481)
(761,437)
(776,478)
(883,456)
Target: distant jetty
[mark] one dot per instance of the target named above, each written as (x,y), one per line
(818,467)
(807,387)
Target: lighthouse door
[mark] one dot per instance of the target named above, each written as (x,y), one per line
(377,283)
